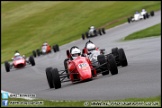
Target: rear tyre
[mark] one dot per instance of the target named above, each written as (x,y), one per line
(144,16)
(38,52)
(86,34)
(56,78)
(101,59)
(129,20)
(103,31)
(49,77)
(115,53)
(83,36)
(95,32)
(32,61)
(54,48)
(112,64)
(57,47)
(34,54)
(99,31)
(7,66)
(147,16)
(122,57)
(152,13)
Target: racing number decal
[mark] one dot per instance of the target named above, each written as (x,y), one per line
(82,65)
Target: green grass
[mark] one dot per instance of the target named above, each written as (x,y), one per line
(148,32)
(143,102)
(27,24)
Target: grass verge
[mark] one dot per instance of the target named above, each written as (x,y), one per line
(148,32)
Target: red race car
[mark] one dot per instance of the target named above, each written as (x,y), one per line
(76,69)
(45,49)
(19,62)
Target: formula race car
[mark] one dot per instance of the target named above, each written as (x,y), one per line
(19,62)
(92,52)
(93,32)
(139,16)
(79,69)
(45,49)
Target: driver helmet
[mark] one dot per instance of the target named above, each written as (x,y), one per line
(92,27)
(45,44)
(91,46)
(143,10)
(17,54)
(75,52)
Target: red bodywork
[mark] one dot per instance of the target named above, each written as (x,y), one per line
(48,48)
(80,69)
(19,62)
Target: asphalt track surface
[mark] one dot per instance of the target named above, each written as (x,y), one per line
(141,78)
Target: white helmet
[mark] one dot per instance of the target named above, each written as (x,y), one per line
(17,54)
(92,27)
(75,52)
(45,43)
(91,46)
(143,9)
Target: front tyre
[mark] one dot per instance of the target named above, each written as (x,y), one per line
(7,66)
(56,78)
(112,64)
(101,59)
(49,77)
(32,61)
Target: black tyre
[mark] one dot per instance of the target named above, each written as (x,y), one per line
(54,48)
(152,13)
(95,33)
(99,31)
(7,66)
(147,15)
(32,61)
(114,51)
(86,34)
(122,57)
(66,66)
(101,59)
(103,31)
(83,37)
(57,47)
(49,77)
(129,20)
(38,52)
(112,64)
(144,16)
(34,54)
(56,78)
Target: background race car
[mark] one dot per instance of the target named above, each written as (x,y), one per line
(45,49)
(93,32)
(19,62)
(119,55)
(139,16)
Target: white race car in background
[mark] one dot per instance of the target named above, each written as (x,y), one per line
(92,32)
(138,16)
